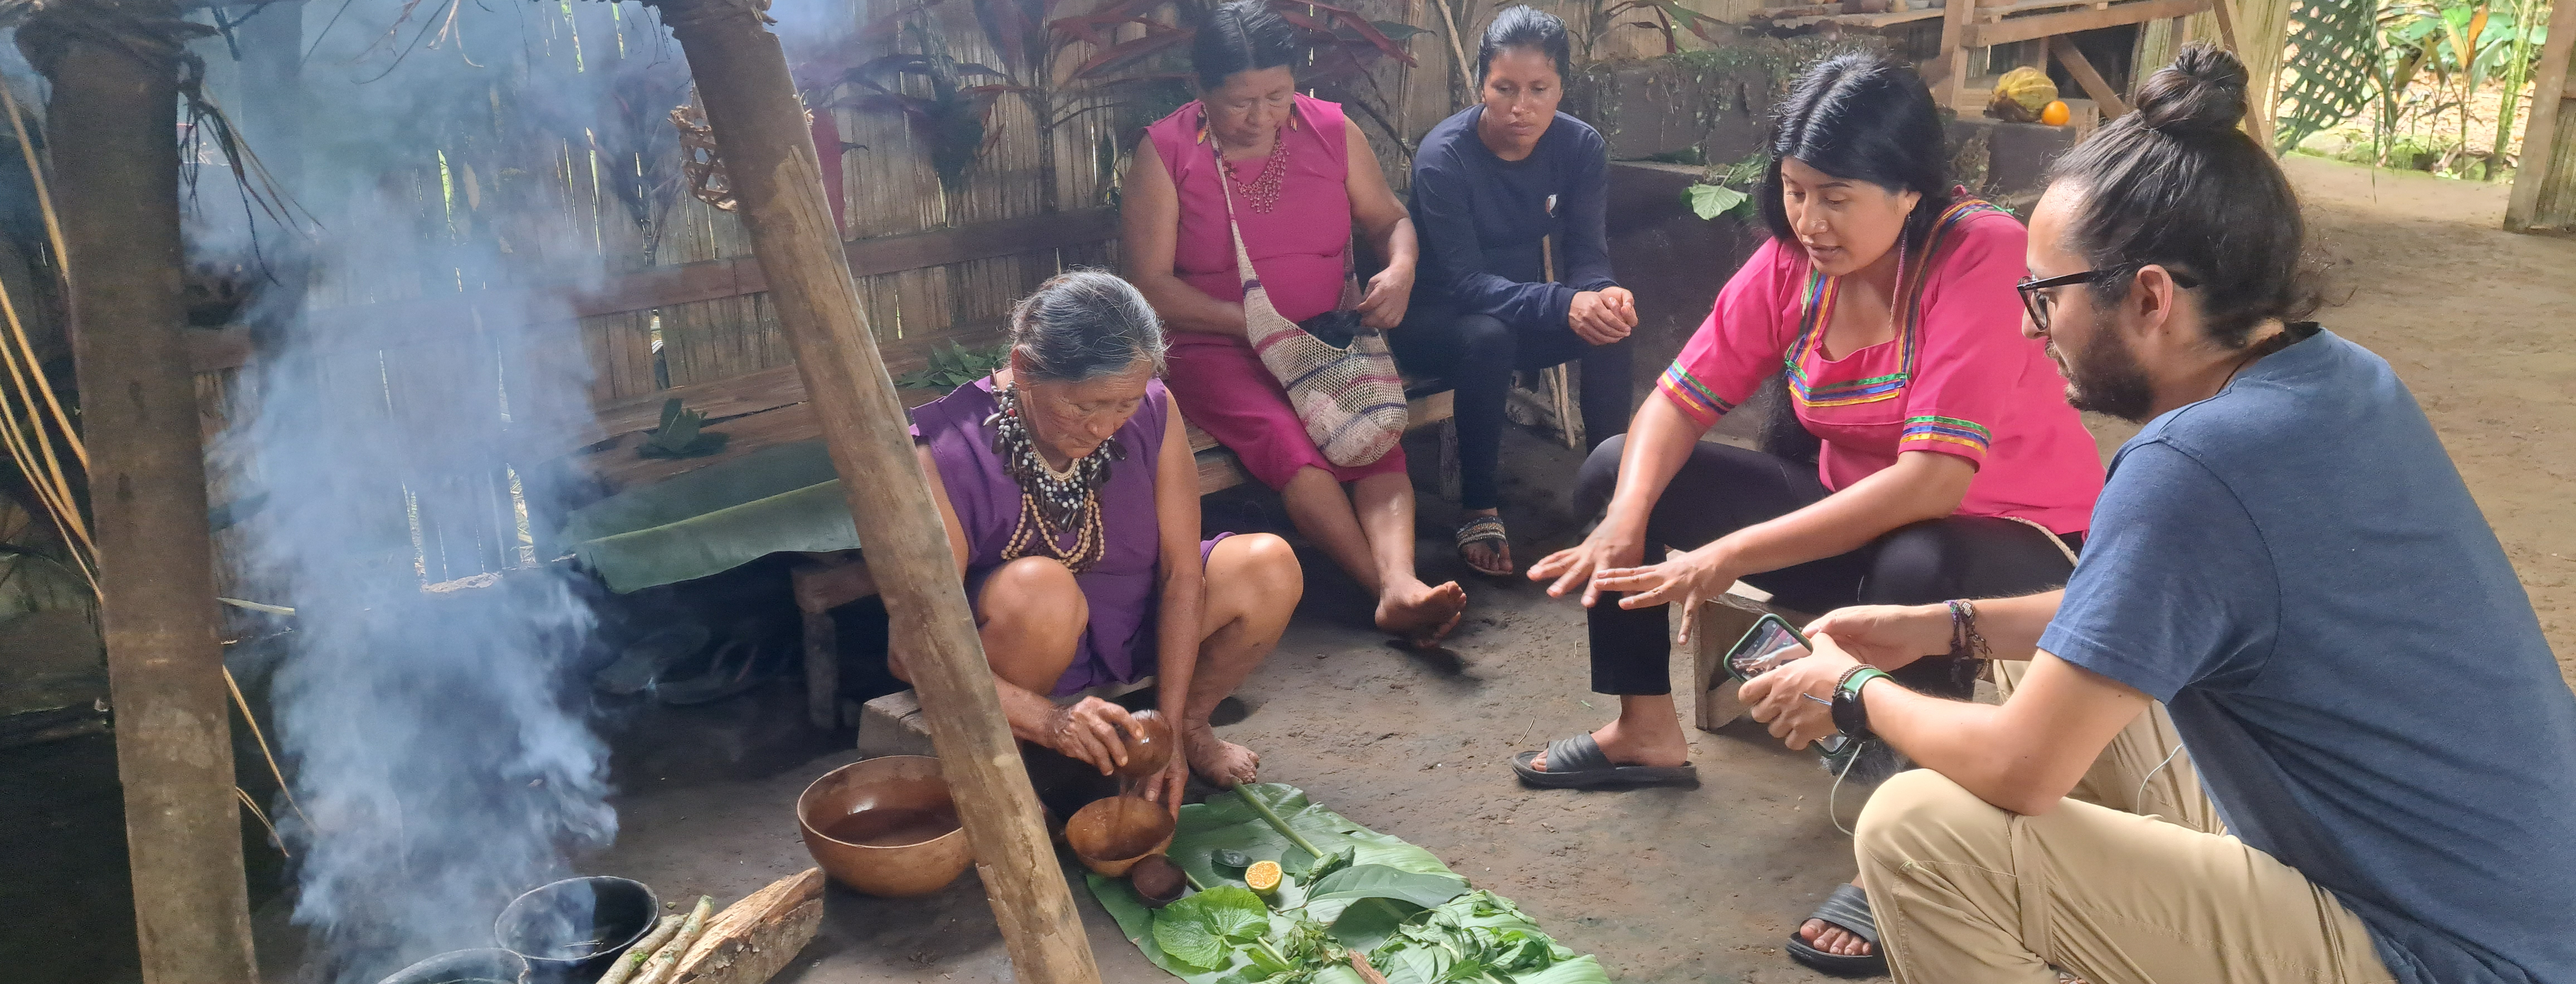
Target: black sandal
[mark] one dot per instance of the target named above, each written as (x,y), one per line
(1848,910)
(1484,529)
(1577,763)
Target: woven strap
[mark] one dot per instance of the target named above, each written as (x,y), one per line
(2052,538)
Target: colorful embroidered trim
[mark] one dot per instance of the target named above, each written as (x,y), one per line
(1821,293)
(1951,429)
(1693,397)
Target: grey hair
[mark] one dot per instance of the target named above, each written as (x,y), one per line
(1085,324)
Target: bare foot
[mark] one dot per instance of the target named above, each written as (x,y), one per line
(1422,614)
(1833,939)
(1222,763)
(1625,748)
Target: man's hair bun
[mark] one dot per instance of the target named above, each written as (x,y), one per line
(2203,91)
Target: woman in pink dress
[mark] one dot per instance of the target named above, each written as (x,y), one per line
(1301,177)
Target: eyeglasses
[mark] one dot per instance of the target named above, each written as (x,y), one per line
(2039,305)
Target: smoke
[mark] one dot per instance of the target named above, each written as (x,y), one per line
(431,715)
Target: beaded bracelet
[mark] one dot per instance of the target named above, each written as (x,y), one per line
(1965,640)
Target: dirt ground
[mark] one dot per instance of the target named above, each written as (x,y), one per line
(1668,885)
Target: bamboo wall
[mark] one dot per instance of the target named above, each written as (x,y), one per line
(554,202)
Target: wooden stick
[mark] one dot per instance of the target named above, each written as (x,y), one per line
(643,950)
(769,155)
(115,148)
(2092,81)
(1456,50)
(657,968)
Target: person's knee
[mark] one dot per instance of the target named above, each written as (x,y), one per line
(1917,564)
(1486,343)
(1262,570)
(1599,476)
(1036,594)
(1921,815)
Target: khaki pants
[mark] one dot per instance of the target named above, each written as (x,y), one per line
(1966,892)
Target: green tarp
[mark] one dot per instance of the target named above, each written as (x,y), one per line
(714,519)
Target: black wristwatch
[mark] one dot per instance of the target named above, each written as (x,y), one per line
(1851,717)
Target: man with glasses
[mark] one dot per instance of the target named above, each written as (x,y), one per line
(2286,558)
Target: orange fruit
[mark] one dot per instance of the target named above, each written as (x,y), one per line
(2056,114)
(1262,877)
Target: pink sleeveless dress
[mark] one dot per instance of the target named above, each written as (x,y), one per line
(1297,250)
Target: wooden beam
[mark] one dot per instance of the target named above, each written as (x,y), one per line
(392,323)
(2043,25)
(768,150)
(1953,61)
(2552,86)
(2082,68)
(114,144)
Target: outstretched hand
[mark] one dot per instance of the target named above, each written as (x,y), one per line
(1686,579)
(1576,566)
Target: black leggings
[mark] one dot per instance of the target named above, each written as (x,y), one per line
(1477,354)
(1722,489)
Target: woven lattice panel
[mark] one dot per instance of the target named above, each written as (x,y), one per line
(2333,67)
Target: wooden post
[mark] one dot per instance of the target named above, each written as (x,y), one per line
(769,159)
(114,144)
(1953,62)
(2548,157)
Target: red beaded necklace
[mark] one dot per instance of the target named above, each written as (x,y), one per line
(1261,192)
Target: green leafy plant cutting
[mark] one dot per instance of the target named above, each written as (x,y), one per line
(1728,190)
(1357,897)
(955,366)
(679,436)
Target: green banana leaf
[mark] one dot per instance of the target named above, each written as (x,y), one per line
(785,498)
(1417,919)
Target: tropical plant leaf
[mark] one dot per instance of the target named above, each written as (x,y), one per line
(1367,927)
(1188,940)
(1709,201)
(1377,881)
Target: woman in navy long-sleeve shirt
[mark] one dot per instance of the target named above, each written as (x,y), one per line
(1490,184)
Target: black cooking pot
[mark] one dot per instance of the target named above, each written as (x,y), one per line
(576,923)
(464,967)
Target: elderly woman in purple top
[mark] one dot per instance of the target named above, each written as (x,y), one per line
(1072,504)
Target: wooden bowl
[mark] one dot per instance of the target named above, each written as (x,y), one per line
(886,826)
(1111,835)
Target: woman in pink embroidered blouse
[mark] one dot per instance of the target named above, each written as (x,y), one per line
(1302,179)
(1951,465)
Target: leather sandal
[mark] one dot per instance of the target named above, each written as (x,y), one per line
(1848,910)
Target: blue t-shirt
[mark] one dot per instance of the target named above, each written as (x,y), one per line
(1481,219)
(2295,568)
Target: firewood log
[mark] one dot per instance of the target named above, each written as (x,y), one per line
(752,940)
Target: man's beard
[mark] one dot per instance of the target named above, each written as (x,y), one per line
(2107,380)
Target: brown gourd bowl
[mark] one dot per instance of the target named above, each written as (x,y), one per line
(888,782)
(1111,835)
